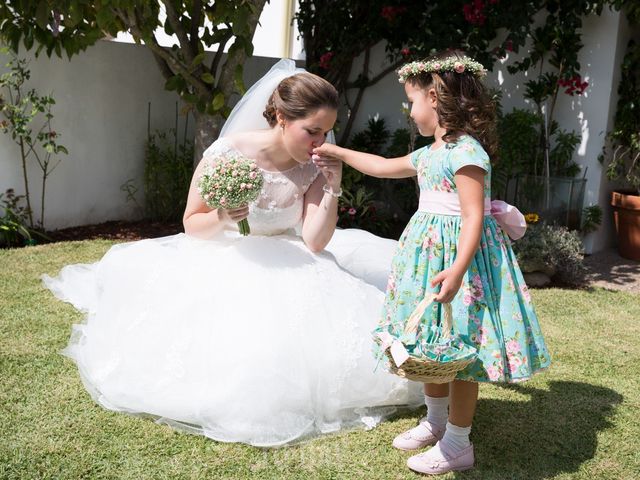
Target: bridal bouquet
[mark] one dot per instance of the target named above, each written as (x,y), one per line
(230,181)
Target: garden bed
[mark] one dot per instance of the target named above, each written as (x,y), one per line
(116,230)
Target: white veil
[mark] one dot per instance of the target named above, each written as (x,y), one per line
(247,114)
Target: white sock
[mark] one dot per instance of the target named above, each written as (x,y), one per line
(437,410)
(456,438)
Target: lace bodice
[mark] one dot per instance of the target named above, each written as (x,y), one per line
(281,202)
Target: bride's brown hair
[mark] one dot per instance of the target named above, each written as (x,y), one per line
(298,96)
(464,104)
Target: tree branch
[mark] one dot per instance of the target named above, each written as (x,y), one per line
(178,67)
(174,20)
(391,68)
(239,56)
(195,25)
(166,71)
(220,53)
(378,77)
(356,105)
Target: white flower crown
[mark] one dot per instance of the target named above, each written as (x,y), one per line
(449,64)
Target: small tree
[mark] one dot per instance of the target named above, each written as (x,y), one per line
(554,52)
(22,110)
(207,86)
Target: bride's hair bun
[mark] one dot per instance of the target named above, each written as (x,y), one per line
(298,96)
(270,111)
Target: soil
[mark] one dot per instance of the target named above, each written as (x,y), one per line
(116,230)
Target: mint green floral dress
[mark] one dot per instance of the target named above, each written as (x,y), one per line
(492,311)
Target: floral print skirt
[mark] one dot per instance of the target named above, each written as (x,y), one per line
(492,311)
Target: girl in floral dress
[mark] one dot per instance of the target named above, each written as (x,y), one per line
(455,245)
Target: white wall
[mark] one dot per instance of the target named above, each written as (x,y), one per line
(101,114)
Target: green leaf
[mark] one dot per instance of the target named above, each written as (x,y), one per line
(173,83)
(75,13)
(28,39)
(240,20)
(198,59)
(104,18)
(218,101)
(208,78)
(238,80)
(42,14)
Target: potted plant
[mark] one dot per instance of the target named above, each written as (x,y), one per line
(624,164)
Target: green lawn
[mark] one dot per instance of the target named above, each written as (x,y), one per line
(579,420)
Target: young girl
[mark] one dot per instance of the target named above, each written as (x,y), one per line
(454,246)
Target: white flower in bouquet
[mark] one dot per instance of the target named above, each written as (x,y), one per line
(230,181)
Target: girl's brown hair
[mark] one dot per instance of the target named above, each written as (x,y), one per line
(298,96)
(464,104)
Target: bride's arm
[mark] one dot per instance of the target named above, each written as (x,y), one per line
(321,208)
(203,222)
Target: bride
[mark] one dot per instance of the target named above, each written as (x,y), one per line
(263,339)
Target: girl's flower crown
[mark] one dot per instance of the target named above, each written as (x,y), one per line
(450,64)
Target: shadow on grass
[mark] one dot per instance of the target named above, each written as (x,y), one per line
(553,432)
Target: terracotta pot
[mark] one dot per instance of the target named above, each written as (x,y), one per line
(626,214)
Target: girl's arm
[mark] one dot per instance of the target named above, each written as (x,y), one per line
(470,183)
(368,164)
(201,221)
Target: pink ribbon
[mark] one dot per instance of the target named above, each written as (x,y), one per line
(509,218)
(448,203)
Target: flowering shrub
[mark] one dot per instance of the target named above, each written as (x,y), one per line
(476,12)
(325,60)
(14,218)
(390,13)
(554,250)
(574,85)
(357,210)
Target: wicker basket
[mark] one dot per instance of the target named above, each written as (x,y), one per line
(424,369)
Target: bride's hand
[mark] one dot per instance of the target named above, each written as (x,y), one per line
(234,214)
(331,167)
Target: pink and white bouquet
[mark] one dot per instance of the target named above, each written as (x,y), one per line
(230,181)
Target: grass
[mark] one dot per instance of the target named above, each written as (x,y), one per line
(579,420)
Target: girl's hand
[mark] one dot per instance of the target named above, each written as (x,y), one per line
(331,168)
(326,150)
(450,282)
(234,214)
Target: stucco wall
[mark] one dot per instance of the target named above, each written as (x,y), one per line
(101,114)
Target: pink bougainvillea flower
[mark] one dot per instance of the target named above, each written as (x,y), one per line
(325,60)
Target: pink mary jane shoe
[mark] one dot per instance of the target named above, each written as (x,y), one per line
(418,437)
(440,460)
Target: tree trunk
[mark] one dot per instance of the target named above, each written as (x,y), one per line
(207,130)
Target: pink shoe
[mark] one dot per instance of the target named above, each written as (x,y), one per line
(418,437)
(439,460)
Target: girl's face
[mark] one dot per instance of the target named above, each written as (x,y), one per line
(423,108)
(301,136)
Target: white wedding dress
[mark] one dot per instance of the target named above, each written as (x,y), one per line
(242,339)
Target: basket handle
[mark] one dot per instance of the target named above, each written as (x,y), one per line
(411,326)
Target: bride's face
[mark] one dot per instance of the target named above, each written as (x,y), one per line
(301,136)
